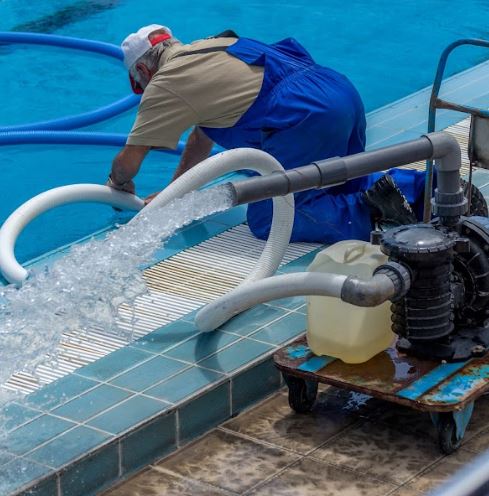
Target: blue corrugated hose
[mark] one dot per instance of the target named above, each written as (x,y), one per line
(78,120)
(48,137)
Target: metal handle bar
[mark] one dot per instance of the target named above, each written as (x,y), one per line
(436,102)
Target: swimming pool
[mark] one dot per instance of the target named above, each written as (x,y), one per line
(388,49)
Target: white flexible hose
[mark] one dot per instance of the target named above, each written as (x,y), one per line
(243,297)
(234,160)
(198,176)
(16,222)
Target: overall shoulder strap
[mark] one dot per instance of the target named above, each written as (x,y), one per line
(203,50)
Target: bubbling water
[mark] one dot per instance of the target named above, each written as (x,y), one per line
(85,288)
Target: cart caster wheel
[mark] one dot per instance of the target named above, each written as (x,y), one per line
(447,434)
(302,393)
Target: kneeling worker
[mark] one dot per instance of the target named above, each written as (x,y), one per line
(238,92)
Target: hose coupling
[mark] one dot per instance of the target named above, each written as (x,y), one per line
(399,274)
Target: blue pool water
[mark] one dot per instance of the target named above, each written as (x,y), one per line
(388,49)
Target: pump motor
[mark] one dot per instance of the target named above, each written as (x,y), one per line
(444,315)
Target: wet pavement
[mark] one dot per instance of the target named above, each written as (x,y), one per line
(349,444)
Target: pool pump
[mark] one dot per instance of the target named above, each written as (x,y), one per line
(444,313)
(439,270)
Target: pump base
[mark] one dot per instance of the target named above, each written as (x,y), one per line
(460,345)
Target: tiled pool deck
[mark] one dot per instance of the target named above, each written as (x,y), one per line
(348,444)
(114,416)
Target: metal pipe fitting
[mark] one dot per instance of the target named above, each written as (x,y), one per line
(449,202)
(368,293)
(390,281)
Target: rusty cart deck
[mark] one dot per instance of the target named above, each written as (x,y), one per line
(446,390)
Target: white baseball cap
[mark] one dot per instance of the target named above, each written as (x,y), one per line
(137,44)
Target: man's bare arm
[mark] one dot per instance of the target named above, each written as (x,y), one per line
(126,165)
(198,148)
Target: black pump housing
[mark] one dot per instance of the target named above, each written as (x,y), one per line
(444,314)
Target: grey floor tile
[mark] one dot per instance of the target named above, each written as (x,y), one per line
(311,478)
(348,402)
(478,442)
(405,491)
(157,483)
(275,422)
(438,473)
(404,418)
(228,462)
(381,451)
(419,423)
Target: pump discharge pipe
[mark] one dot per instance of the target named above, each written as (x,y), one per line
(390,281)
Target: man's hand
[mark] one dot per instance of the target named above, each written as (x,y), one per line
(128,186)
(125,166)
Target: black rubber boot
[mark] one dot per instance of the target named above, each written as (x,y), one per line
(388,205)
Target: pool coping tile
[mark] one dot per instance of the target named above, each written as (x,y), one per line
(115,420)
(91,403)
(68,446)
(236,356)
(17,480)
(114,364)
(14,415)
(167,337)
(59,392)
(35,433)
(202,346)
(185,384)
(280,331)
(149,373)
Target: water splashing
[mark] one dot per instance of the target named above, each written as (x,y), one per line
(85,288)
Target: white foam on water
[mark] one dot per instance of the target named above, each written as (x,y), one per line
(85,288)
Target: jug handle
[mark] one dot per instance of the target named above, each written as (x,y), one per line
(353,253)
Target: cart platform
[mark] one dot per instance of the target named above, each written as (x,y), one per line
(446,390)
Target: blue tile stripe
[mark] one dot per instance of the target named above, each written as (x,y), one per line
(316,363)
(460,386)
(430,380)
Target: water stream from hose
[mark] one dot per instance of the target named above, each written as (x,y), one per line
(84,289)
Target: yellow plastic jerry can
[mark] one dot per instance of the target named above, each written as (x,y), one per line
(339,329)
